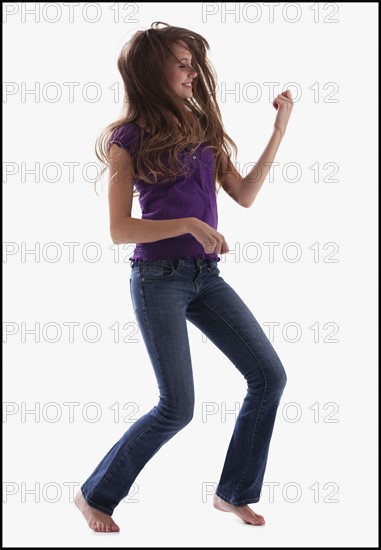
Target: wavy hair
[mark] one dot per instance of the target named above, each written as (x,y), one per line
(149,102)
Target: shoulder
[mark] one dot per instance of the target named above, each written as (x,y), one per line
(124,132)
(125,136)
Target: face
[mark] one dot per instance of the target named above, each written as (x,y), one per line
(180,74)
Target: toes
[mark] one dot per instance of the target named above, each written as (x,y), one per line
(253,522)
(100,527)
(110,528)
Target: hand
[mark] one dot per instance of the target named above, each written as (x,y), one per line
(284,104)
(211,240)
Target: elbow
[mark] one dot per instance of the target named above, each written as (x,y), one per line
(115,237)
(120,234)
(245,203)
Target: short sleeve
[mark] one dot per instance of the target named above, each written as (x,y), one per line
(124,136)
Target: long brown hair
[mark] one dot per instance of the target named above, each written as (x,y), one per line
(149,102)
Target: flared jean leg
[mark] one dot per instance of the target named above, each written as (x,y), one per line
(162,323)
(224,318)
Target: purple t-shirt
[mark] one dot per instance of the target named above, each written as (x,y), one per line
(190,195)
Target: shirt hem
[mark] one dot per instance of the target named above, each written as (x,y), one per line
(205,256)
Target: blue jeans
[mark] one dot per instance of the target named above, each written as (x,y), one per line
(165,294)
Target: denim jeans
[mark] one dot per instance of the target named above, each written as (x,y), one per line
(165,294)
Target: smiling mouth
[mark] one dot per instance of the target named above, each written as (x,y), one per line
(187,84)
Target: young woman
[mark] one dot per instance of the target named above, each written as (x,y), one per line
(171,145)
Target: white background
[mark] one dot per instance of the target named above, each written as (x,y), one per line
(332,66)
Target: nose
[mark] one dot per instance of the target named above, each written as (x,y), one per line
(192,73)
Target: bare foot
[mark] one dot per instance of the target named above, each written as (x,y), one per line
(243,512)
(97,520)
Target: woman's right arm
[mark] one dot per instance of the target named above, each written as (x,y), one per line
(125,229)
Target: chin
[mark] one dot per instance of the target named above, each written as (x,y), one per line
(186,96)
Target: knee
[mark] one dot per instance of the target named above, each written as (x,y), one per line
(183,416)
(272,382)
(178,415)
(280,380)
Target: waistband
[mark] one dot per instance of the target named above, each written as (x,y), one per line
(178,261)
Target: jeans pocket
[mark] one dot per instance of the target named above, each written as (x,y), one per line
(134,265)
(158,269)
(214,267)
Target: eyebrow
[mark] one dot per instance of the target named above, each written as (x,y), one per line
(186,58)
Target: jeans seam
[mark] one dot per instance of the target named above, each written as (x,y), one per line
(114,464)
(244,470)
(145,311)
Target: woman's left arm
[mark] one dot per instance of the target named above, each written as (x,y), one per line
(244,190)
